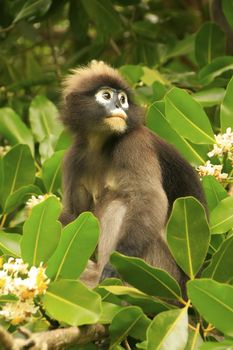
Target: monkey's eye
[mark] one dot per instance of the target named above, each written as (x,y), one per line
(103,96)
(123,99)
(106,95)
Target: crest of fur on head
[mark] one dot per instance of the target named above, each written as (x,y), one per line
(94,71)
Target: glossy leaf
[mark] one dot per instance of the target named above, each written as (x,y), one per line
(221,267)
(9,298)
(19,175)
(217,67)
(152,75)
(209,97)
(210,43)
(227,108)
(187,117)
(225,345)
(41,232)
(51,172)
(78,242)
(214,301)
(168,330)
(227,7)
(64,141)
(72,302)
(188,234)
(221,217)
(149,304)
(10,243)
(156,121)
(146,278)
(13,129)
(32,8)
(43,116)
(182,47)
(20,197)
(109,311)
(104,16)
(214,191)
(128,321)
(46,147)
(132,73)
(194,340)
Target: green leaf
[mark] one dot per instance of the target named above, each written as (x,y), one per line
(132,73)
(72,302)
(182,47)
(214,301)
(226,108)
(225,345)
(10,244)
(20,196)
(217,67)
(149,304)
(146,278)
(187,117)
(188,234)
(109,311)
(227,7)
(51,172)
(13,129)
(19,170)
(210,43)
(41,232)
(102,12)
(32,8)
(221,217)
(78,242)
(43,116)
(157,122)
(64,141)
(152,75)
(129,321)
(221,267)
(46,147)
(168,330)
(214,191)
(9,298)
(194,340)
(209,97)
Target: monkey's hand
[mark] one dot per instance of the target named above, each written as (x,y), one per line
(108,272)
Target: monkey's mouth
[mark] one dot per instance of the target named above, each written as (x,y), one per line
(117,114)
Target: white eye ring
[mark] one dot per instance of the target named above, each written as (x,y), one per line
(123,99)
(103,96)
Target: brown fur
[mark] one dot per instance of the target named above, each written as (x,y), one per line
(128,180)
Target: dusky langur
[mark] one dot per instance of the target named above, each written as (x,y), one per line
(120,170)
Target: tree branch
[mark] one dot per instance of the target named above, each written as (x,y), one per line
(52,340)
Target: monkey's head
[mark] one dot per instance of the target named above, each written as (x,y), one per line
(98,100)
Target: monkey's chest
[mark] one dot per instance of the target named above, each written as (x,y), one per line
(98,184)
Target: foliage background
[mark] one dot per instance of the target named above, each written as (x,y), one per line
(157,45)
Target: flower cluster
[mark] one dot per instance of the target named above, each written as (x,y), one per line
(23,283)
(214,170)
(223,146)
(36,200)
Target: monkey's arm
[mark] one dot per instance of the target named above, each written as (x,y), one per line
(76,199)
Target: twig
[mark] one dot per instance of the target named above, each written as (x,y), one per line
(52,340)
(7,29)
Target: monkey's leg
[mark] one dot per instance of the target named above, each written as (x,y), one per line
(136,229)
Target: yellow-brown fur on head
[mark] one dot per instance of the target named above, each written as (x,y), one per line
(79,76)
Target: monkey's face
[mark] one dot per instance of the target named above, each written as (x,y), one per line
(115,104)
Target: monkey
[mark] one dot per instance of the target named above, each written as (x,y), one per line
(121,171)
